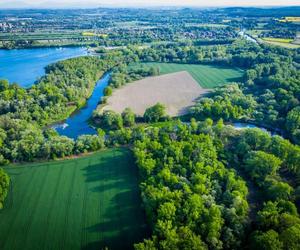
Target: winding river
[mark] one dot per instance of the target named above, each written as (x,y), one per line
(25,66)
(77,124)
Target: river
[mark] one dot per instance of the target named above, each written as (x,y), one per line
(25,66)
(243,34)
(77,124)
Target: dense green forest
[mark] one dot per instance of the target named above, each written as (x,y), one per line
(196,179)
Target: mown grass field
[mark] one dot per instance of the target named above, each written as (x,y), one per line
(207,76)
(85,203)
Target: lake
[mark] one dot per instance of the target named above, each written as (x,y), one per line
(25,66)
(77,124)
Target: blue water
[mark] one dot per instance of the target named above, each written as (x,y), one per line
(25,66)
(240,125)
(77,124)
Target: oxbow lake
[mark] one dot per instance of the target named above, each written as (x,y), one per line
(25,66)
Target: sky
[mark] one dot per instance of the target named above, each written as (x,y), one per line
(138,3)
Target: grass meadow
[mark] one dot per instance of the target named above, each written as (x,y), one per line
(85,203)
(208,76)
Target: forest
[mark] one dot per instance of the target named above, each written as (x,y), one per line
(208,186)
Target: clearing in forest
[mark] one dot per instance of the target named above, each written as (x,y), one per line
(84,203)
(208,76)
(177,91)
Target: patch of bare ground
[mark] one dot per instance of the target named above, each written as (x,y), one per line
(177,91)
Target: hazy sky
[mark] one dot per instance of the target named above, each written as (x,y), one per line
(96,3)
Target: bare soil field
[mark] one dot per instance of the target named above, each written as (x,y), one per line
(177,91)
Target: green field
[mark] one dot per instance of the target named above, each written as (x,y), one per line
(84,203)
(207,76)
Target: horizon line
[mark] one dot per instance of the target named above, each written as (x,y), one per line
(141,6)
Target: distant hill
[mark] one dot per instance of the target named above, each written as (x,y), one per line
(261,11)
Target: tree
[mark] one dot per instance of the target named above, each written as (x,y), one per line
(266,241)
(155,113)
(57,147)
(128,117)
(3,85)
(88,143)
(166,211)
(260,164)
(293,119)
(278,190)
(291,237)
(188,240)
(111,120)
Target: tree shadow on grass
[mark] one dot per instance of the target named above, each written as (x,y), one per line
(234,79)
(123,222)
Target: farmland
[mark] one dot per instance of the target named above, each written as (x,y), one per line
(85,203)
(177,91)
(283,42)
(207,76)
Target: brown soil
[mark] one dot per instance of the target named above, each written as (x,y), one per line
(177,91)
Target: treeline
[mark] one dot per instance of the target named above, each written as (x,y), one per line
(25,142)
(110,120)
(4,185)
(24,112)
(124,74)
